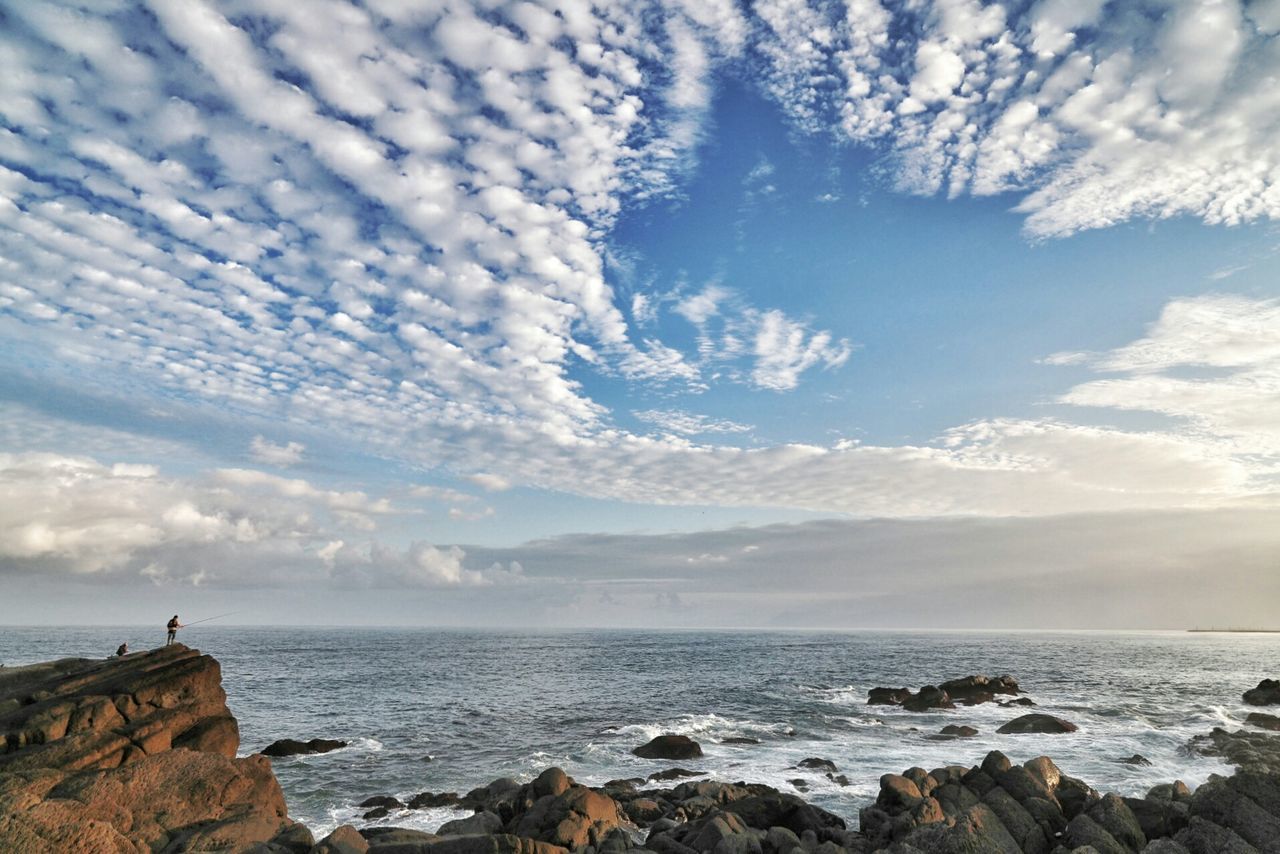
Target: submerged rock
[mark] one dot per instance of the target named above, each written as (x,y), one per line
(669,747)
(967,690)
(958,731)
(1249,751)
(292,747)
(1037,723)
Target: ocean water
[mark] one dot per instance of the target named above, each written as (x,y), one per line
(439,710)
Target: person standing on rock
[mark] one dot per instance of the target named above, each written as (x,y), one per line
(123,649)
(173,627)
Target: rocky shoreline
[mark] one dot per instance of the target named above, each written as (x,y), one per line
(138,754)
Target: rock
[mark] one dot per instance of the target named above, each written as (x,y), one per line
(1037,723)
(1265,721)
(958,731)
(292,747)
(739,739)
(929,697)
(887,696)
(674,774)
(972,690)
(1205,837)
(1074,795)
(800,784)
(381,801)
(1250,751)
(344,840)
(1083,830)
(770,808)
(427,800)
(669,747)
(552,781)
(1135,759)
(817,764)
(976,831)
(574,818)
(1175,791)
(1266,694)
(1021,701)
(644,810)
(1114,815)
(481,822)
(133,753)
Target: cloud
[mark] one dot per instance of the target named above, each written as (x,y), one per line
(490,482)
(1236,338)
(688,423)
(288,454)
(1126,570)
(1089,110)
(65,515)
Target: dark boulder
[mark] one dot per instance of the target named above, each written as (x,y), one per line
(293,747)
(1135,759)
(972,690)
(929,697)
(1266,694)
(669,747)
(1250,751)
(1037,723)
(959,731)
(427,800)
(887,696)
(674,774)
(739,739)
(818,764)
(381,801)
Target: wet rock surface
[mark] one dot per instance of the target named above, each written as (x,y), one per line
(965,691)
(292,747)
(132,754)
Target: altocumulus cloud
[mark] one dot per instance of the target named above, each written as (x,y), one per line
(389,223)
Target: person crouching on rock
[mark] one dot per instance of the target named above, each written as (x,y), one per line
(173,626)
(122,649)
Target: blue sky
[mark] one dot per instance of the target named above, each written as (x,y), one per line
(430,313)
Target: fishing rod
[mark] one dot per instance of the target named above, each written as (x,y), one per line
(207,619)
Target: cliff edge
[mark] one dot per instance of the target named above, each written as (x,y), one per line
(132,754)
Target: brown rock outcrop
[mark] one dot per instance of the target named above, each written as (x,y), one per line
(132,754)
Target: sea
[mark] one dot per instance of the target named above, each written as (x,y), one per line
(431,710)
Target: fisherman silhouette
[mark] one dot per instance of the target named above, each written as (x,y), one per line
(173,626)
(123,649)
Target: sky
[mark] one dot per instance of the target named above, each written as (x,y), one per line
(665,313)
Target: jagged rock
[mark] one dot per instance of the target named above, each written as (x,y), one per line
(572,818)
(818,764)
(1266,694)
(669,747)
(1250,751)
(644,810)
(1021,701)
(1227,803)
(293,747)
(1205,837)
(129,754)
(976,831)
(1158,817)
(1037,723)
